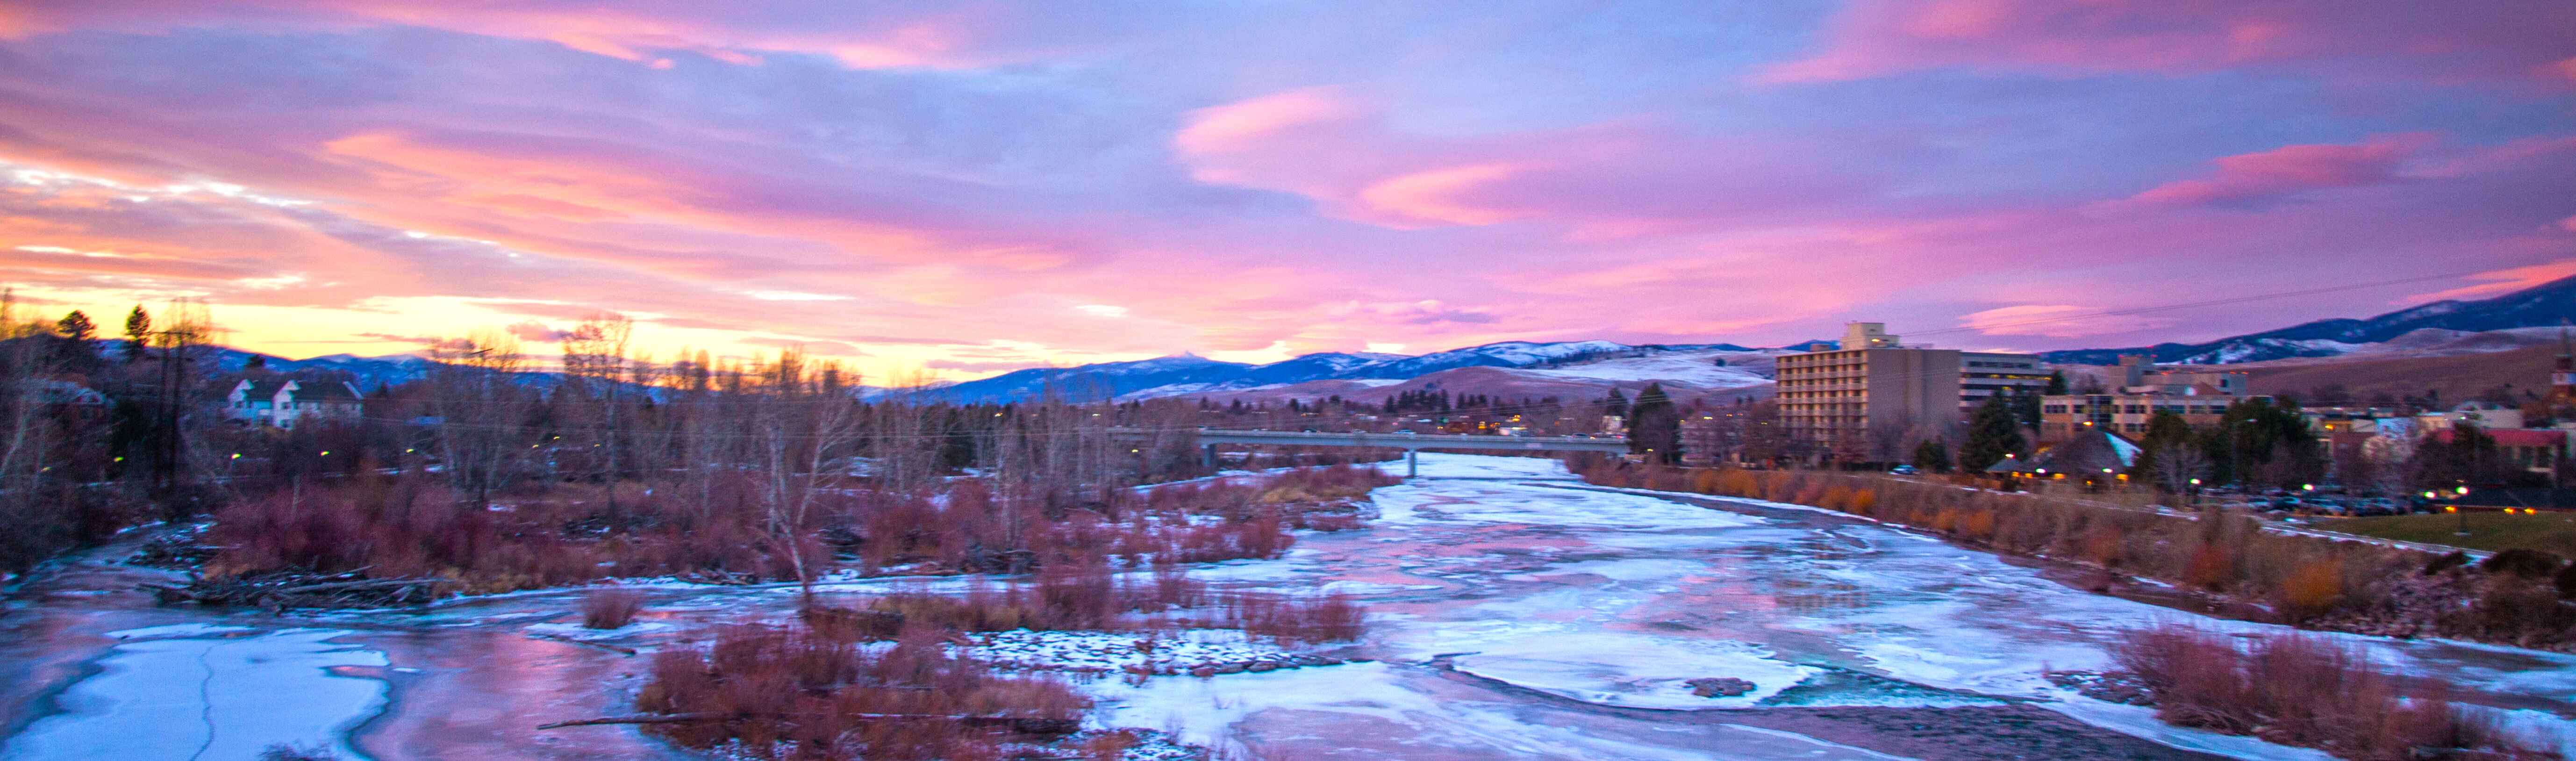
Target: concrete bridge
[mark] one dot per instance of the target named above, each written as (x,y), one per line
(1411,443)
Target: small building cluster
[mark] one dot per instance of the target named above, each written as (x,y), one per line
(282,403)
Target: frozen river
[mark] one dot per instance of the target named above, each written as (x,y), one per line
(1514,614)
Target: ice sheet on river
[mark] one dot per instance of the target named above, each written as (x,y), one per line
(200,697)
(1616,598)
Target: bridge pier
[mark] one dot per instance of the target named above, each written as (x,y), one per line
(1207,455)
(1412,465)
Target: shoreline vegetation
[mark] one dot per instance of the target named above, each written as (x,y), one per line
(374,529)
(2296,688)
(2511,598)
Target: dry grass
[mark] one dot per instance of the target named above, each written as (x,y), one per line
(2304,690)
(1294,620)
(2307,580)
(610,608)
(2489,530)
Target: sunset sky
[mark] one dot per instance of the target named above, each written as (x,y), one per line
(964,188)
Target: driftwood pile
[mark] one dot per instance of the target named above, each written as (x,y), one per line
(1020,724)
(275,591)
(177,549)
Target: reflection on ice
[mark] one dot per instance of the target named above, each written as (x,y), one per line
(210,698)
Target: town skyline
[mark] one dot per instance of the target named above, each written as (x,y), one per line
(969,191)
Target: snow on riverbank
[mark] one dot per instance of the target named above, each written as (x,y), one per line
(1153,652)
(175,693)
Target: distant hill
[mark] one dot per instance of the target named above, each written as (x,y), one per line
(2542,305)
(1515,369)
(1328,373)
(1686,373)
(2454,377)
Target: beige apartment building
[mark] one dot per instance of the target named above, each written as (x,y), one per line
(2201,396)
(1836,398)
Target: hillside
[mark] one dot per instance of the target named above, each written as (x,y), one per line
(2456,377)
(2547,304)
(1685,374)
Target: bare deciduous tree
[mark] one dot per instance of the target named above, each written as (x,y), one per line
(479,408)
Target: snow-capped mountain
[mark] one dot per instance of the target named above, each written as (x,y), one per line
(1187,374)
(1505,354)
(1107,380)
(2543,305)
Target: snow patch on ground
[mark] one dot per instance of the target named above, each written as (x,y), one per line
(1096,651)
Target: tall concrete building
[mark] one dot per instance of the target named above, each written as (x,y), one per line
(1836,398)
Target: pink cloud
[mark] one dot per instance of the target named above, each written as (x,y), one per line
(1443,195)
(950,36)
(2525,41)
(2257,177)
(1607,180)
(1234,126)
(2056,321)
(2504,281)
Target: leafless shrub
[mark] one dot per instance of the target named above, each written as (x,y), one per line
(610,608)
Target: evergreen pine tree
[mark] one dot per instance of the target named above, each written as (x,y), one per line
(1992,433)
(1654,427)
(1932,456)
(2025,407)
(138,331)
(77,349)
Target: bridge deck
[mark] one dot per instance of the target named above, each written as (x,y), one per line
(1411,443)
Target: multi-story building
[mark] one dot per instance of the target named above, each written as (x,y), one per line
(2201,397)
(1985,374)
(2063,416)
(1835,399)
(2138,374)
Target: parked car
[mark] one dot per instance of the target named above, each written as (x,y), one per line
(1903,470)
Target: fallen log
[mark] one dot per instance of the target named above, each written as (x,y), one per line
(673,718)
(582,642)
(359,585)
(280,591)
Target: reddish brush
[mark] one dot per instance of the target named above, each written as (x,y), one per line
(787,693)
(1331,618)
(2301,689)
(412,527)
(2311,580)
(610,608)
